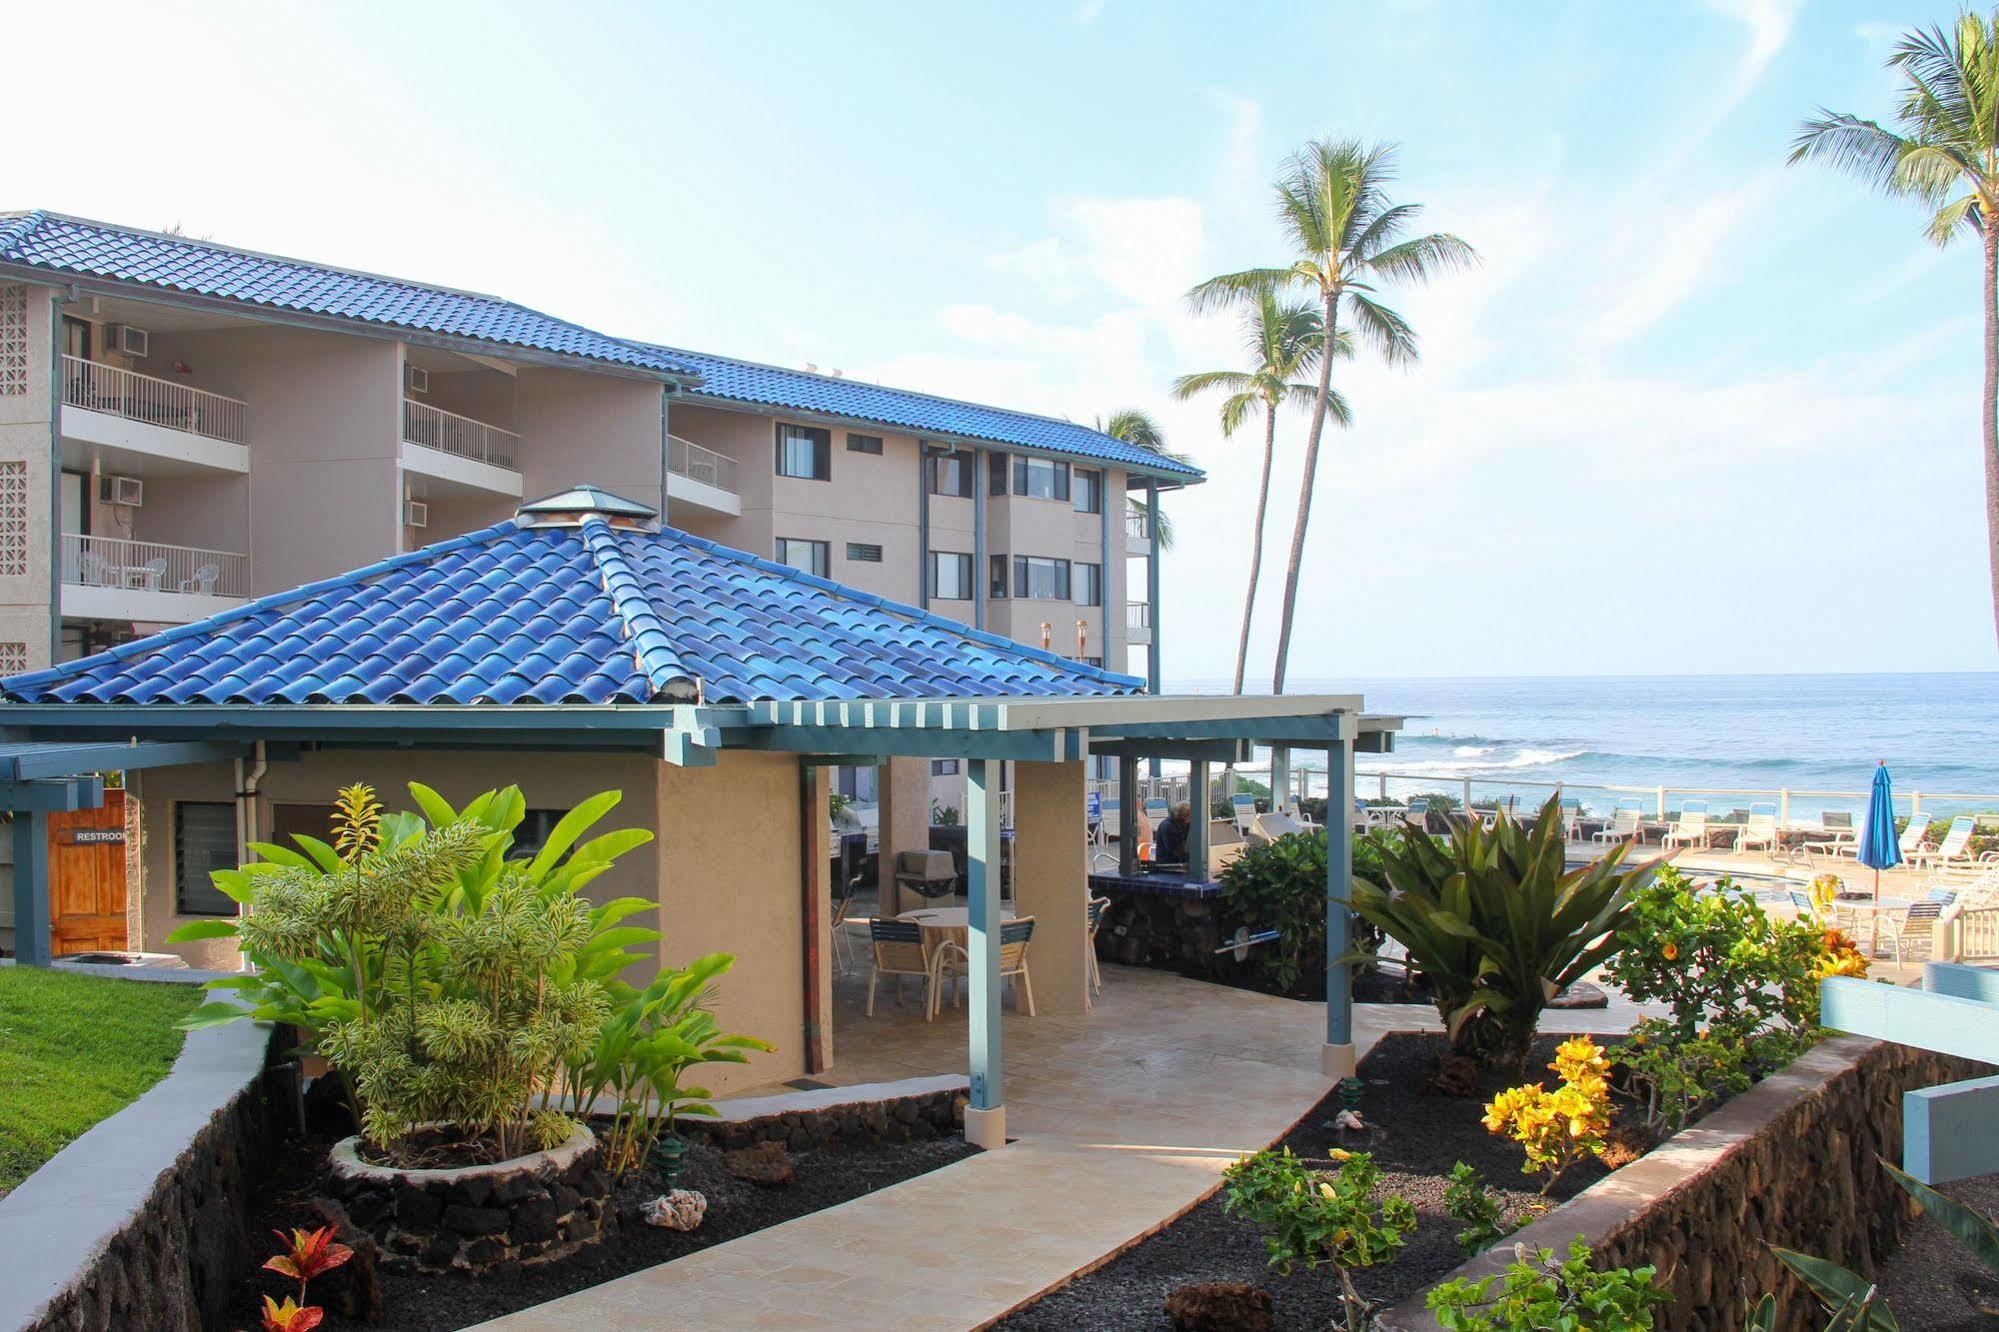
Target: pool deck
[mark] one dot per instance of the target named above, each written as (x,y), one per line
(1121,1119)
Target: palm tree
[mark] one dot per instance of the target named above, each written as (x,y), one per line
(1282,338)
(1944,154)
(1347,239)
(1134,426)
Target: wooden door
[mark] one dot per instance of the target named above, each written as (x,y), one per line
(87,878)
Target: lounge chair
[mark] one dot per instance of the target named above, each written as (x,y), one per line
(954,962)
(1096,908)
(1270,827)
(1225,843)
(899,952)
(1690,829)
(1298,816)
(1759,830)
(1913,834)
(1418,813)
(1623,825)
(1572,820)
(1244,806)
(1954,852)
(1841,839)
(1911,929)
(1802,900)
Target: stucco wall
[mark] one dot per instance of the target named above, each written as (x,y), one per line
(577,427)
(25,406)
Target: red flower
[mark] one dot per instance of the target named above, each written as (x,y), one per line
(289,1316)
(312,1253)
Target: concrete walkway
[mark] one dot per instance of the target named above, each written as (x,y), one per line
(1122,1119)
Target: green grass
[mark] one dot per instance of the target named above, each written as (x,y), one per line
(73,1050)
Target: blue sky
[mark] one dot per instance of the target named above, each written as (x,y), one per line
(1695,412)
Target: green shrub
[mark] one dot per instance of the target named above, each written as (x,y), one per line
(1497,923)
(1313,1219)
(444,981)
(1281,885)
(1545,1293)
(1467,1198)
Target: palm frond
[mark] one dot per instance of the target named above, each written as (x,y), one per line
(1383,329)
(1134,426)
(1236,409)
(1229,288)
(1850,144)
(1961,214)
(1207,381)
(1420,259)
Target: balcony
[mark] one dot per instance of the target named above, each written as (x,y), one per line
(1137,531)
(701,476)
(459,450)
(110,578)
(1138,622)
(124,416)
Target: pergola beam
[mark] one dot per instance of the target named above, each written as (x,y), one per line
(1208,751)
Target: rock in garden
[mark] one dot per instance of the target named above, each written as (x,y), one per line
(353,1289)
(1581,995)
(1456,1075)
(765,1163)
(1220,1306)
(681,1209)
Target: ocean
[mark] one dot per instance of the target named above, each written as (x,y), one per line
(1938,733)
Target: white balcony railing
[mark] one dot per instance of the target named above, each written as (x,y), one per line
(1137,527)
(149,566)
(161,402)
(434,428)
(688,459)
(1138,615)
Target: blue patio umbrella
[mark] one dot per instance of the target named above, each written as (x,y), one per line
(1879,847)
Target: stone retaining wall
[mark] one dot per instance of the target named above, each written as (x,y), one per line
(1177,934)
(837,1117)
(140,1222)
(1790,1162)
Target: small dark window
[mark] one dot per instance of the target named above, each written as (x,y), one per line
(1088,490)
(863,553)
(996,473)
(1097,662)
(1040,578)
(943,767)
(864,444)
(950,576)
(1089,582)
(805,452)
(996,587)
(813,557)
(951,474)
(204,841)
(1041,478)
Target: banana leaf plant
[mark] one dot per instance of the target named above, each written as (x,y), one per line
(1497,922)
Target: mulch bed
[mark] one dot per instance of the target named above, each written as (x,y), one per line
(1415,1138)
(1933,1279)
(435,1303)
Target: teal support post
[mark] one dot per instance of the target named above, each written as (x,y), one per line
(1127,814)
(1198,795)
(1338,1057)
(1153,677)
(985,1116)
(31,887)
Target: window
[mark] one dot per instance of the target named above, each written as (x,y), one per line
(864,444)
(996,473)
(811,557)
(855,783)
(997,586)
(951,474)
(204,841)
(1040,578)
(1097,662)
(950,576)
(943,767)
(1088,492)
(862,552)
(804,452)
(1041,478)
(1089,584)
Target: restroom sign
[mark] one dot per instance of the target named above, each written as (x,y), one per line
(96,837)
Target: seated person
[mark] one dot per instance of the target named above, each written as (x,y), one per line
(1169,839)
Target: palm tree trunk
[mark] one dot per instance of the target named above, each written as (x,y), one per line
(1256,542)
(1991,415)
(1305,494)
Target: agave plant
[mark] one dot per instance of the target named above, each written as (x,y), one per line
(1497,922)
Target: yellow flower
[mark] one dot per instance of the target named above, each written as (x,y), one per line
(1672,952)
(1340,1153)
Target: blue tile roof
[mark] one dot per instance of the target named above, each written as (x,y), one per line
(592,613)
(802,391)
(59,245)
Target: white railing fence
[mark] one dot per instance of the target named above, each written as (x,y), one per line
(1978,935)
(688,459)
(150,566)
(161,402)
(1138,615)
(1138,526)
(434,428)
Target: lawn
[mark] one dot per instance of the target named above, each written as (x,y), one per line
(74,1049)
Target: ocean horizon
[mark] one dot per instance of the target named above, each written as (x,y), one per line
(1801,733)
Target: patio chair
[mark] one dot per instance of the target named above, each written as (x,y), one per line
(1690,829)
(150,573)
(926,873)
(898,952)
(1840,838)
(1572,820)
(1418,813)
(1954,852)
(100,572)
(1097,907)
(1243,805)
(1623,826)
(1298,815)
(1802,900)
(1270,827)
(203,581)
(954,962)
(843,947)
(1910,929)
(1759,829)
(1913,834)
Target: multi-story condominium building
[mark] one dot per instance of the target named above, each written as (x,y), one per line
(184,426)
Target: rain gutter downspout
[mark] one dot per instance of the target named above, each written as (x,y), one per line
(665,451)
(246,817)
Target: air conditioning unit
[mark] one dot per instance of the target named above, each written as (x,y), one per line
(129,341)
(416,513)
(417,378)
(128,491)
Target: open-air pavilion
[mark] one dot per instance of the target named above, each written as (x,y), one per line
(583,646)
